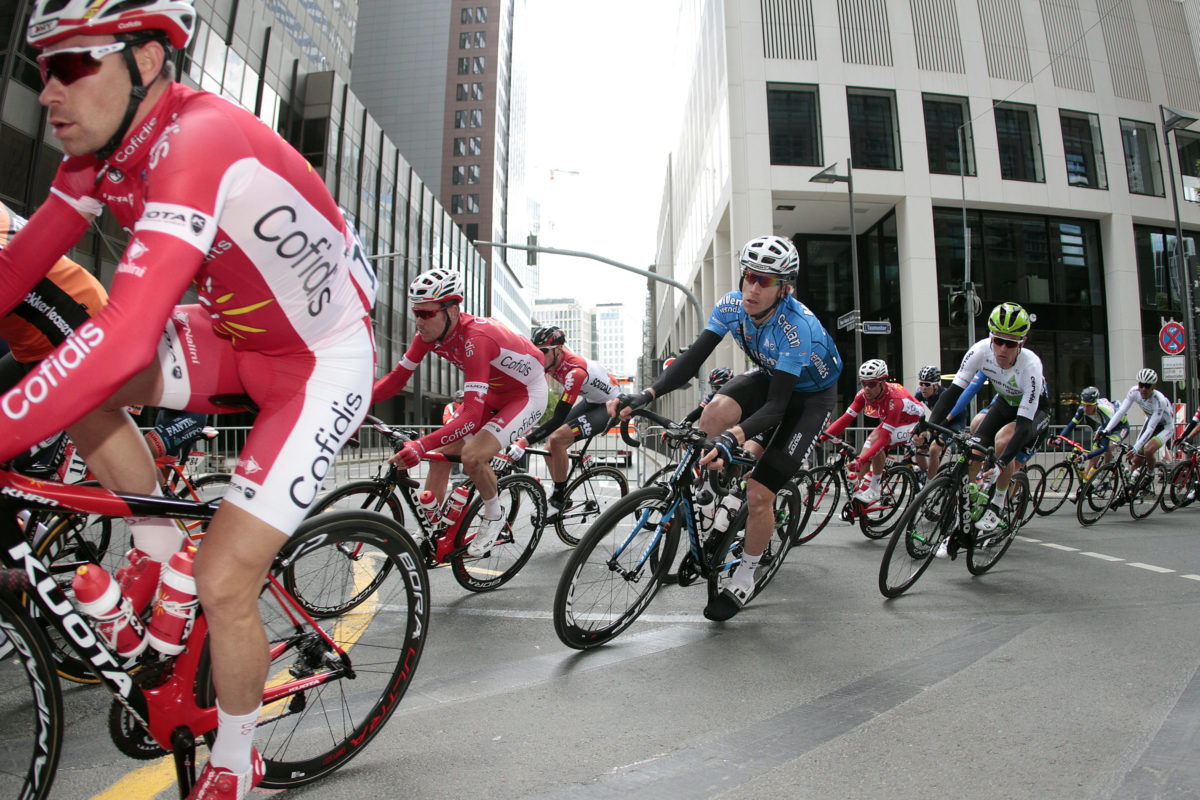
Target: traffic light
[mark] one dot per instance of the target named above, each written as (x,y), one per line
(958,309)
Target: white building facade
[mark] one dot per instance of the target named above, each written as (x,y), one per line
(1061,177)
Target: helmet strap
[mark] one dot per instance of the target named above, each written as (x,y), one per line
(446,328)
(137,94)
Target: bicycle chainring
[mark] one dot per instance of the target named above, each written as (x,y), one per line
(129,737)
(689,571)
(848,514)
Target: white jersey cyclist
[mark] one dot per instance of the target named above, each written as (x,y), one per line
(285,294)
(1160,417)
(1020,385)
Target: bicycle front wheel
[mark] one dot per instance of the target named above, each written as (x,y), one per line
(31,706)
(824,501)
(1097,494)
(985,549)
(354,667)
(896,490)
(589,496)
(1054,489)
(366,495)
(524,505)
(1148,491)
(921,528)
(1183,484)
(616,570)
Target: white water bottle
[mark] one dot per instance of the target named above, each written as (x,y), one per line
(428,504)
(723,515)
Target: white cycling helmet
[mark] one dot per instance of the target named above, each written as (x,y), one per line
(1147,376)
(772,255)
(873,370)
(434,286)
(52,21)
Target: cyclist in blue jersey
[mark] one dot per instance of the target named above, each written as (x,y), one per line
(793,392)
(1093,406)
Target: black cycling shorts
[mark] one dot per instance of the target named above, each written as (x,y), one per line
(788,445)
(586,419)
(1001,413)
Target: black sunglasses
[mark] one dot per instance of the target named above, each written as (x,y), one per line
(1008,343)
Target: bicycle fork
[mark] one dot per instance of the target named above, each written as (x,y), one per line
(635,574)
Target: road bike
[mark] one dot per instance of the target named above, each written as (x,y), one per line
(875,519)
(1056,486)
(337,672)
(1184,478)
(624,557)
(1119,484)
(443,542)
(947,509)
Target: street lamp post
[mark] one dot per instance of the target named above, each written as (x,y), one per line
(828,175)
(1174,120)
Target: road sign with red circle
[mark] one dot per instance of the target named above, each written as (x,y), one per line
(1171,338)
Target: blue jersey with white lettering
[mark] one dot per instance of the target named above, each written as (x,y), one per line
(790,340)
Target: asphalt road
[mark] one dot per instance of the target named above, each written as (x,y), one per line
(1069,671)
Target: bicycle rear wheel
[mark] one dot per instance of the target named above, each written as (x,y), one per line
(590,494)
(824,502)
(1097,495)
(920,529)
(787,507)
(1054,489)
(354,682)
(896,490)
(30,705)
(524,505)
(617,569)
(1148,491)
(985,549)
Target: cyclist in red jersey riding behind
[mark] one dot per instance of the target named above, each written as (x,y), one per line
(897,411)
(582,380)
(504,392)
(212,198)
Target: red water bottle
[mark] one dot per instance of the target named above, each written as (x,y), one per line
(429,507)
(175,606)
(454,506)
(97,595)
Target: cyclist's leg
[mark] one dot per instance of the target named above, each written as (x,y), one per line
(438,476)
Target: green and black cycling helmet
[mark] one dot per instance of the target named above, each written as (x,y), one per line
(1090,395)
(1009,319)
(719,377)
(548,336)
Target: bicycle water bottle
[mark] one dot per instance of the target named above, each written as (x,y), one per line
(428,504)
(723,515)
(98,596)
(175,606)
(454,505)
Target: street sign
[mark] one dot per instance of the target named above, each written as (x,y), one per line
(848,320)
(1172,368)
(1171,339)
(877,326)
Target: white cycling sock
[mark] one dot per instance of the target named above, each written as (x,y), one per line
(156,537)
(235,737)
(492,509)
(743,576)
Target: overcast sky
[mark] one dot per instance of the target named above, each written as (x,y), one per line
(594,119)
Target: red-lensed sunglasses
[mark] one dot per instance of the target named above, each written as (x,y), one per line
(869,384)
(72,63)
(765,281)
(421,313)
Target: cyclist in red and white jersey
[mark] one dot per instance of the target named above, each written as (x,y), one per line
(898,413)
(504,392)
(585,381)
(212,198)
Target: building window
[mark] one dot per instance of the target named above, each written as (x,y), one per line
(481,14)
(458,175)
(464,41)
(477,65)
(460,119)
(472,204)
(480,38)
(476,91)
(874,129)
(1189,163)
(456,204)
(793,119)
(467,16)
(1142,163)
(462,92)
(460,146)
(476,117)
(1019,142)
(1083,149)
(947,118)
(475,146)
(473,173)
(464,66)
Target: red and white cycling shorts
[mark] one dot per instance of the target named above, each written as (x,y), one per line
(309,404)
(514,412)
